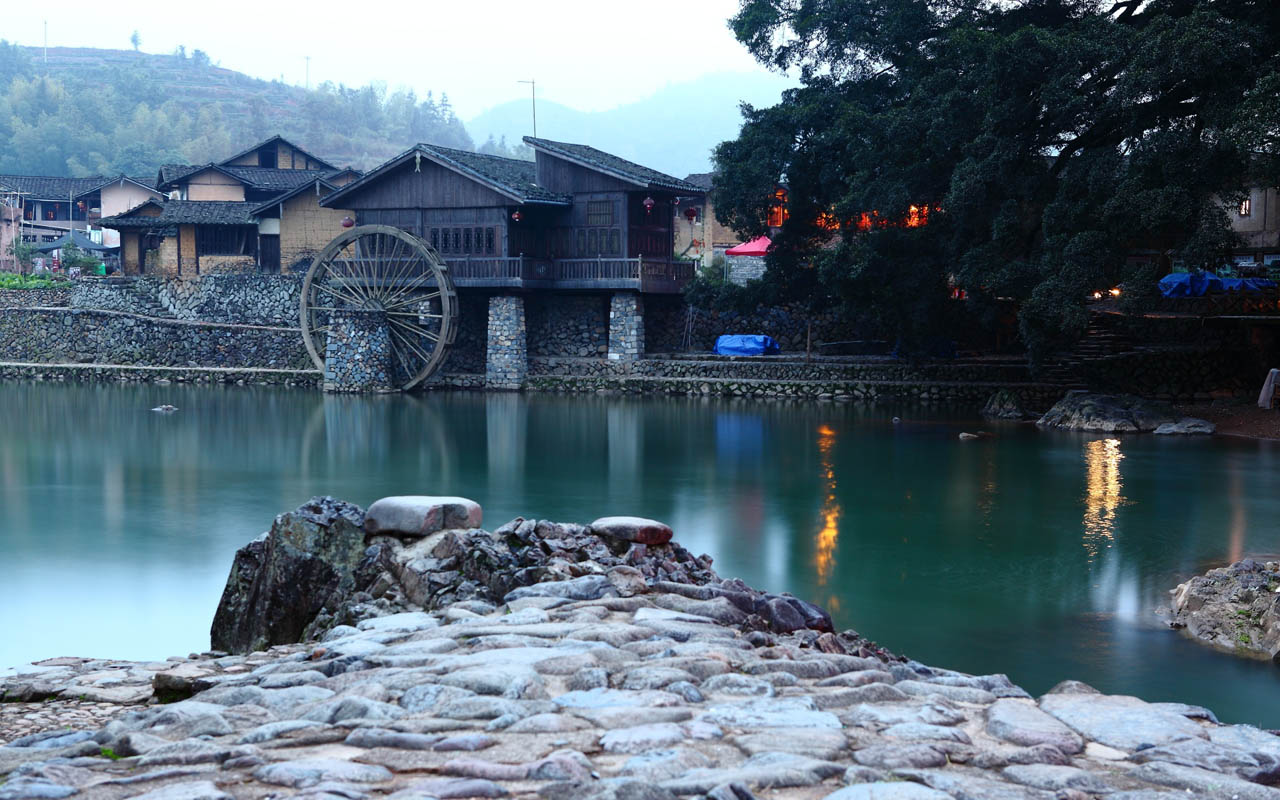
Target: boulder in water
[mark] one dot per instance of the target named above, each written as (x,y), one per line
(1186,426)
(1233,608)
(1106,413)
(281,581)
(1004,404)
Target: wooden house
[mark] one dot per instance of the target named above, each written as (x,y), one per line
(257,210)
(575,218)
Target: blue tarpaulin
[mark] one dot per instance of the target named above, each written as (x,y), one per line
(746,345)
(1198,284)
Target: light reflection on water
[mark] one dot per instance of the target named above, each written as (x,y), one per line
(117,526)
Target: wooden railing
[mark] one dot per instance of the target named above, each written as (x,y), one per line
(641,273)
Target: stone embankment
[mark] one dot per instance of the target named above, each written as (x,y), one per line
(1234,608)
(614,684)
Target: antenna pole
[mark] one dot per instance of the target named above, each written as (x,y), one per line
(533,97)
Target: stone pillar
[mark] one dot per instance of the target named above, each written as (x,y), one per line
(506,362)
(626,326)
(357,355)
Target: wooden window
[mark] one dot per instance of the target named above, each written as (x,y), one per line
(599,212)
(615,242)
(593,242)
(1246,207)
(466,240)
(457,240)
(582,243)
(224,240)
(435,238)
(488,241)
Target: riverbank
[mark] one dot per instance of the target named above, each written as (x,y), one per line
(611,684)
(1240,418)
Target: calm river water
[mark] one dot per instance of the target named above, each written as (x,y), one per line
(1040,555)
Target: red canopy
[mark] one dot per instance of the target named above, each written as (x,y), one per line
(755,247)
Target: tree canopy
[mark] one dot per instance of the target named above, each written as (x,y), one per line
(1045,140)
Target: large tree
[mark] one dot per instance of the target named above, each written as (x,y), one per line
(1047,139)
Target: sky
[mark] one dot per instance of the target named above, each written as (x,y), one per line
(587,54)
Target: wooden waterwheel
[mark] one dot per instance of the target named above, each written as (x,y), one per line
(384,271)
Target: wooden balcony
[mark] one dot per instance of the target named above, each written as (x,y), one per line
(524,272)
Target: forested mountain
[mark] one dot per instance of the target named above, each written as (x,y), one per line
(87,111)
(672,130)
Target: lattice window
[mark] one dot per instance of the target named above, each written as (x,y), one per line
(466,240)
(488,240)
(599,213)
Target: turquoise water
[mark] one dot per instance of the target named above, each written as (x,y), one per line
(1040,555)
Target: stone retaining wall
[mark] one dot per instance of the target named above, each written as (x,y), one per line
(666,318)
(241,299)
(568,325)
(1032,396)
(33,298)
(1177,373)
(99,373)
(52,335)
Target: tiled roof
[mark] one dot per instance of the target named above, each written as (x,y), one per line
(41,187)
(169,173)
(184,212)
(279,138)
(280,180)
(509,176)
(517,177)
(604,162)
(259,208)
(703,180)
(149,183)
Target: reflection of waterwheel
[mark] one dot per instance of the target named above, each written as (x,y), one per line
(381,270)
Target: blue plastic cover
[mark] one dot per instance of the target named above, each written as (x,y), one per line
(746,345)
(1190,284)
(1247,284)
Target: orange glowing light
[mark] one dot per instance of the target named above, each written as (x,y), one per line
(830,513)
(1115,292)
(1097,295)
(917,216)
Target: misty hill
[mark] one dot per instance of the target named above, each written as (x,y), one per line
(672,131)
(94,111)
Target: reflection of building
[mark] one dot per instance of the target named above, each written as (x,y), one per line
(825,551)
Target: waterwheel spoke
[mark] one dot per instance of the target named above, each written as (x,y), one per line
(426,359)
(329,290)
(416,315)
(412,284)
(414,329)
(411,300)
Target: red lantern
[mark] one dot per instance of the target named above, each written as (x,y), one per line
(517,216)
(80,205)
(691,214)
(648,204)
(348,222)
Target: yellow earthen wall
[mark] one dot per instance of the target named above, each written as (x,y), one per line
(224,265)
(164,261)
(213,185)
(187,248)
(305,228)
(117,199)
(129,253)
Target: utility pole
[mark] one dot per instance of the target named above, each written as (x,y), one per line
(308,58)
(533,96)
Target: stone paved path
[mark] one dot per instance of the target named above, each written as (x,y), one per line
(652,696)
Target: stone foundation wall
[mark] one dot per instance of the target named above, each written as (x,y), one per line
(467,354)
(35,298)
(626,326)
(1177,373)
(236,298)
(357,355)
(97,373)
(666,316)
(227,265)
(568,325)
(110,337)
(506,359)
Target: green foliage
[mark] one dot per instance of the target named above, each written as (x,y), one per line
(1049,139)
(23,251)
(107,752)
(9,280)
(73,257)
(131,119)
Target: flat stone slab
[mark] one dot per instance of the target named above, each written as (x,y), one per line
(421,515)
(1119,720)
(888,790)
(1021,723)
(632,529)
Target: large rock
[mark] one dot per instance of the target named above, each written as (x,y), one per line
(280,581)
(632,529)
(1120,721)
(1106,413)
(421,515)
(1004,404)
(1232,608)
(1187,426)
